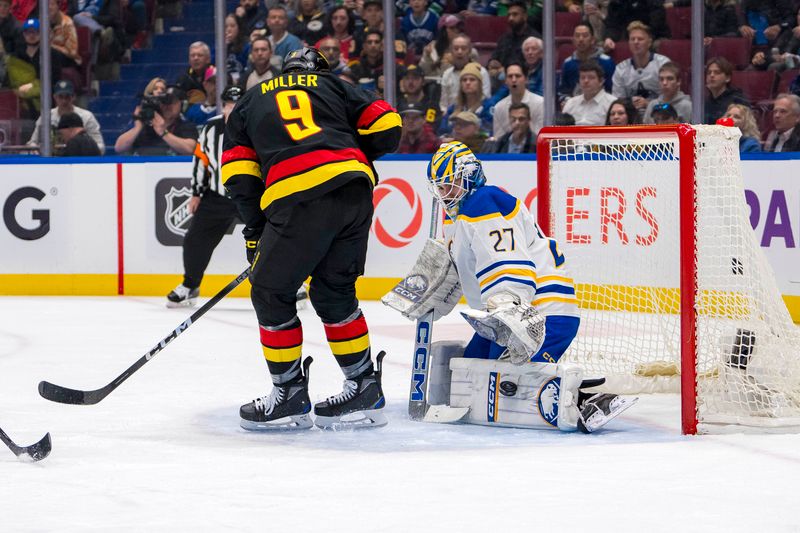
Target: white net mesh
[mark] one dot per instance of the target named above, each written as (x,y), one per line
(616,215)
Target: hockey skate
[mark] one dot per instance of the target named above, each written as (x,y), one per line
(358,406)
(287,407)
(182,296)
(598,409)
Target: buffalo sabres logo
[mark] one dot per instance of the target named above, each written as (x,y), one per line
(548,401)
(176,214)
(412,287)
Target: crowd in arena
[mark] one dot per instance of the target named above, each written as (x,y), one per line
(618,63)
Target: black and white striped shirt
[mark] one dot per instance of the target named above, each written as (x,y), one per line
(207,158)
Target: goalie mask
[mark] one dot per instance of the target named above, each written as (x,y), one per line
(453,174)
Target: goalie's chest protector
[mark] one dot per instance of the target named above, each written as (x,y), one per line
(497,246)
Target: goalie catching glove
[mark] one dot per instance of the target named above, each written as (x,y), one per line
(432,285)
(511,323)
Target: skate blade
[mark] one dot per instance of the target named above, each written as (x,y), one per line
(444,414)
(598,422)
(368,419)
(186,303)
(287,423)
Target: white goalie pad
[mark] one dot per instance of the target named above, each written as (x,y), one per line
(533,395)
(431,285)
(510,323)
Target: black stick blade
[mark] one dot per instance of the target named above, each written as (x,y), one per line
(59,394)
(41,449)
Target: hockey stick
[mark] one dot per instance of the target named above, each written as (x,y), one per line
(35,452)
(57,393)
(418,395)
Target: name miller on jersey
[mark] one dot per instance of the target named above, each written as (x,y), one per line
(289,80)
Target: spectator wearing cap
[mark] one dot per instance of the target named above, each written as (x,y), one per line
(509,46)
(436,56)
(669,82)
(418,136)
(470,98)
(461,49)
(720,93)
(74,136)
(622,12)
(340,25)
(591,106)
(200,113)
(309,23)
(742,117)
(281,39)
(419,25)
(249,12)
(585,42)
(413,90)
(191,81)
(64,99)
(786,119)
(664,114)
(261,67)
(465,126)
(9,28)
(637,77)
(516,78)
(63,35)
(520,139)
(167,133)
(30,53)
(331,49)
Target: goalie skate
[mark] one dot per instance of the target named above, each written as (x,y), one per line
(597,410)
(182,296)
(358,406)
(287,407)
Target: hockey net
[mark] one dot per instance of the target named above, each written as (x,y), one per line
(675,293)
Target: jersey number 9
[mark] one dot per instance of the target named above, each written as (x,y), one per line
(295,110)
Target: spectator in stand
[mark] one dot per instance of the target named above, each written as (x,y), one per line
(743,118)
(497,79)
(586,48)
(664,114)
(419,26)
(191,82)
(373,19)
(720,93)
(330,48)
(591,106)
(23,68)
(622,12)
(281,40)
(85,15)
(720,19)
(261,67)
(437,6)
(460,49)
(259,30)
(436,56)
(74,136)
(249,12)
(509,46)
(470,98)
(786,50)
(63,35)
(669,81)
(309,23)
(785,117)
(637,77)
(200,113)
(9,28)
(516,76)
(341,25)
(64,99)
(238,48)
(165,133)
(622,113)
(369,66)
(532,53)
(762,21)
(418,136)
(520,139)
(465,126)
(412,91)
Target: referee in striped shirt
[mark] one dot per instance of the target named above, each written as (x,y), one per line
(213,212)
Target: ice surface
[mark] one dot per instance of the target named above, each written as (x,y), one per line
(164,452)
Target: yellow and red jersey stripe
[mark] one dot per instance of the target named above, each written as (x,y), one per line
(378,116)
(240,160)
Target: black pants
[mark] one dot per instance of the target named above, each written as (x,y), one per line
(213,217)
(325,238)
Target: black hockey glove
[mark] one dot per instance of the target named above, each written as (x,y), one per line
(250,248)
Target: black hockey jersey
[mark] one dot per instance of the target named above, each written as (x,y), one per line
(299,135)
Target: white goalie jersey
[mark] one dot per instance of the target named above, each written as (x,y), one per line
(497,246)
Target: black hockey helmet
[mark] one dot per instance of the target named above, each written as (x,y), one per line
(232,93)
(305,59)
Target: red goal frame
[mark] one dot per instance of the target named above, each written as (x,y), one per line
(686,136)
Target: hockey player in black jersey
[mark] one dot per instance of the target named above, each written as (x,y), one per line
(297,161)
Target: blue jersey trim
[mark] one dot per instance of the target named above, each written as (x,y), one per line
(488,200)
(500,263)
(560,289)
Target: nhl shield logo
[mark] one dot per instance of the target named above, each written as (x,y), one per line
(548,401)
(176,214)
(172,218)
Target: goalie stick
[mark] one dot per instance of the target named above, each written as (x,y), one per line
(57,393)
(35,452)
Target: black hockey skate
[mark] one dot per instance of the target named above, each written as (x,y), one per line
(182,296)
(358,406)
(598,409)
(287,407)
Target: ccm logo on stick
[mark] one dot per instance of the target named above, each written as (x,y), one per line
(40,216)
(421,360)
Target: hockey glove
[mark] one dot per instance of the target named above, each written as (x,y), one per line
(251,247)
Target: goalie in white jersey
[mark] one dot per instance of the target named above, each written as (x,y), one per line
(522,307)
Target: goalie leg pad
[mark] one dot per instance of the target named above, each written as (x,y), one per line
(431,285)
(533,395)
(439,375)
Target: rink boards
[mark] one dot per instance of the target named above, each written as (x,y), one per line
(71,226)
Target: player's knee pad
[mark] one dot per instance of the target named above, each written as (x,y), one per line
(532,395)
(439,374)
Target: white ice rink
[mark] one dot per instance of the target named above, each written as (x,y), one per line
(164,452)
